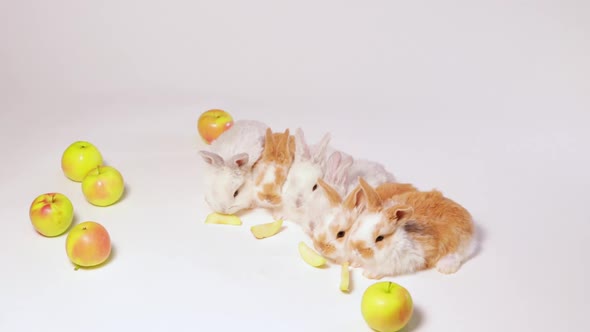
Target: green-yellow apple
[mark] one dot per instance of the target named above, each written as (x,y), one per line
(213,123)
(103,186)
(88,244)
(51,214)
(79,158)
(386,306)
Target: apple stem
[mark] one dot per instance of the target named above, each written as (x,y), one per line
(389,287)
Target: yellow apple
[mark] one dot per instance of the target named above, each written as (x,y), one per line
(310,256)
(51,214)
(262,231)
(344,277)
(88,244)
(213,123)
(103,186)
(223,219)
(79,158)
(386,306)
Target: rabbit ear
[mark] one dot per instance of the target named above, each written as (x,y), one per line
(402,216)
(355,199)
(301,146)
(292,147)
(211,158)
(322,147)
(285,140)
(333,196)
(341,173)
(374,203)
(239,160)
(284,148)
(399,214)
(268,144)
(332,165)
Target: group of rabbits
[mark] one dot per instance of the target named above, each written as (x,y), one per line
(353,210)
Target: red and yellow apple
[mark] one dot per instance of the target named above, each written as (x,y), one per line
(51,214)
(88,244)
(79,158)
(103,186)
(213,123)
(386,306)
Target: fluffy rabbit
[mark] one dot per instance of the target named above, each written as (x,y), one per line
(270,172)
(373,172)
(328,218)
(330,235)
(301,182)
(311,163)
(343,171)
(316,204)
(409,232)
(229,161)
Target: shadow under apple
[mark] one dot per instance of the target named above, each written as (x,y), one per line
(112,256)
(415,320)
(125,194)
(75,221)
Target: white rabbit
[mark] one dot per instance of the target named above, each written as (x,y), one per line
(301,182)
(373,172)
(229,161)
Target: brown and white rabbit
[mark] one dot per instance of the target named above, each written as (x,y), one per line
(270,172)
(316,205)
(409,232)
(331,234)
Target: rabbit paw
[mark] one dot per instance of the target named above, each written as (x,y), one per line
(372,275)
(448,264)
(355,264)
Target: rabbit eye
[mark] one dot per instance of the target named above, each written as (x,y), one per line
(236,193)
(340,234)
(379,238)
(315,186)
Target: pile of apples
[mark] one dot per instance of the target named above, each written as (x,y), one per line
(385,306)
(88,244)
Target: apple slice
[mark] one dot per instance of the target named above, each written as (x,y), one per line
(223,219)
(344,278)
(262,231)
(310,256)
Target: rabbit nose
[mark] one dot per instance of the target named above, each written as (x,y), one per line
(270,198)
(324,247)
(358,246)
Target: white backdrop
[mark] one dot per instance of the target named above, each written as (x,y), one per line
(486,101)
